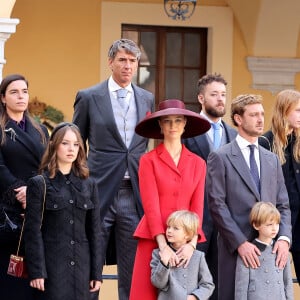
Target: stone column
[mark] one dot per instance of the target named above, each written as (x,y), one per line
(7,27)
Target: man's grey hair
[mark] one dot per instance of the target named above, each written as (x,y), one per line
(124,44)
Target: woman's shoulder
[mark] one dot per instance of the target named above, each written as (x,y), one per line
(36,179)
(34,125)
(266,140)
(36,184)
(153,152)
(45,129)
(196,158)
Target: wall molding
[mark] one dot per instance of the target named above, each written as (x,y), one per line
(272,73)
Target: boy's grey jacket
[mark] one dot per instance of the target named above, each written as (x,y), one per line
(176,283)
(266,282)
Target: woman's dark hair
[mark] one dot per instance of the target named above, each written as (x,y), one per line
(49,160)
(4,117)
(8,80)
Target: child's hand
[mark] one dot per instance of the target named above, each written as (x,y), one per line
(191,297)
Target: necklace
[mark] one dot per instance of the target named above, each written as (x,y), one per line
(176,156)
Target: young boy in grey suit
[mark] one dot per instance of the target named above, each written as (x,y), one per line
(181,283)
(267,281)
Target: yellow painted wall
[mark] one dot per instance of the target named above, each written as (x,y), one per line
(56,46)
(242,77)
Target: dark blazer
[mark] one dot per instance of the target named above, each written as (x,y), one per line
(108,156)
(231,195)
(65,249)
(20,158)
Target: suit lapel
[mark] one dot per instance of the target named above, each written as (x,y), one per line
(202,144)
(165,157)
(239,164)
(104,106)
(142,108)
(266,171)
(230,132)
(184,159)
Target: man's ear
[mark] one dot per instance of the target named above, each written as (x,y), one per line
(238,119)
(110,60)
(201,98)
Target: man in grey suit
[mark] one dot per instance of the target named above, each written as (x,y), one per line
(212,99)
(232,191)
(106,115)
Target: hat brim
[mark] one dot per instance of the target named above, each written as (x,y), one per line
(195,125)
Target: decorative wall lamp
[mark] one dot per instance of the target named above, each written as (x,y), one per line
(179,9)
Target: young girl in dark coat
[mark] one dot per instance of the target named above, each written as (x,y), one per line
(62,235)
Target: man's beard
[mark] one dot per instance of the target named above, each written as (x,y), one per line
(214,112)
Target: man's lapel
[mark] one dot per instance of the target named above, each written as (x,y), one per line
(239,164)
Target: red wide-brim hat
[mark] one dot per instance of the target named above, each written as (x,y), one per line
(150,128)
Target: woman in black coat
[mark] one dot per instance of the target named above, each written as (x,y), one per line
(62,234)
(284,140)
(22,144)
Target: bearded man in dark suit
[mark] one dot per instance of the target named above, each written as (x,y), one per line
(212,100)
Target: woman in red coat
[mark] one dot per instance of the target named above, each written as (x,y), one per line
(171,178)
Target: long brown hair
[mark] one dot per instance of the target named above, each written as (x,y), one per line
(286,101)
(4,117)
(49,160)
